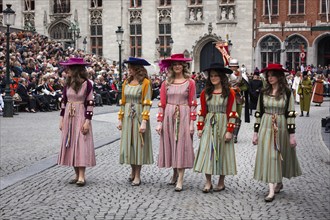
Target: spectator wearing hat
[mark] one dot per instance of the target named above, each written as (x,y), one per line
(176,116)
(255,89)
(274,132)
(135,142)
(77,146)
(241,87)
(305,93)
(216,122)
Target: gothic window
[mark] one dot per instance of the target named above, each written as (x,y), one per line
(270,49)
(60,31)
(96,3)
(297,6)
(61,6)
(325,4)
(271,6)
(164,3)
(295,46)
(195,10)
(136,40)
(96,30)
(165,39)
(29,5)
(227,11)
(136,3)
(1,6)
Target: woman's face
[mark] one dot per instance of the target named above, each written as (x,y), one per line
(177,67)
(215,78)
(271,78)
(131,70)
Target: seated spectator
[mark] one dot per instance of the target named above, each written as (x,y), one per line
(26,97)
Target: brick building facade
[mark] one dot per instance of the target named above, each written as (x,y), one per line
(295,32)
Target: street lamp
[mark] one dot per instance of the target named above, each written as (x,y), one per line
(8,19)
(119,35)
(75,30)
(158,46)
(85,42)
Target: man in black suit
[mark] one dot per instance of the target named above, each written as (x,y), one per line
(26,97)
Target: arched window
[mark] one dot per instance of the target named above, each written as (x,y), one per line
(296,46)
(270,49)
(60,32)
(61,6)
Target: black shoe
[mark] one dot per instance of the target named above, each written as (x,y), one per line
(269,199)
(307,115)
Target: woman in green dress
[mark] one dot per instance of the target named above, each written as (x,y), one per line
(274,132)
(305,93)
(216,123)
(135,145)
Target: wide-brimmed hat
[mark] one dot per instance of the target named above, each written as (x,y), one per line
(218,66)
(75,61)
(274,66)
(137,61)
(233,63)
(179,57)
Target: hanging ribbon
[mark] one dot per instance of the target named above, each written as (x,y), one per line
(177,121)
(275,128)
(72,112)
(213,147)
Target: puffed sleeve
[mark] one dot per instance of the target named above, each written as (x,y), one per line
(291,115)
(162,102)
(89,102)
(231,111)
(122,103)
(202,112)
(146,100)
(192,100)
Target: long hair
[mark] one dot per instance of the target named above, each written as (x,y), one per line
(140,73)
(78,76)
(282,84)
(171,73)
(209,87)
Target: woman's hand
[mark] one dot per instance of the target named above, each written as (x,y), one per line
(255,138)
(293,142)
(159,128)
(199,133)
(228,136)
(85,127)
(119,126)
(61,124)
(192,127)
(143,126)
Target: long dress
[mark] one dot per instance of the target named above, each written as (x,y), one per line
(177,108)
(77,149)
(305,94)
(268,166)
(295,86)
(317,96)
(215,156)
(136,147)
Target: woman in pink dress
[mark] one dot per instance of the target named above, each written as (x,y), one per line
(77,146)
(176,116)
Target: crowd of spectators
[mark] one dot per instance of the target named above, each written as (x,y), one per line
(38,79)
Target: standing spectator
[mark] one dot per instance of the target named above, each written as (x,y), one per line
(77,146)
(255,89)
(177,113)
(317,96)
(274,132)
(305,91)
(135,144)
(295,86)
(216,122)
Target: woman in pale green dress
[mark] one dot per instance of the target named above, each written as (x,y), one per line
(135,144)
(216,123)
(274,132)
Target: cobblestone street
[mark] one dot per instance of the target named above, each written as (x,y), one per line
(30,139)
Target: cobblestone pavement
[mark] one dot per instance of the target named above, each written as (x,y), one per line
(108,195)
